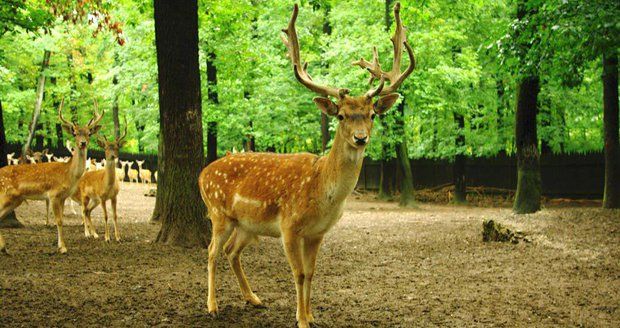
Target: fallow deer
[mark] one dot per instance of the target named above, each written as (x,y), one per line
(49,157)
(9,158)
(53,181)
(297,197)
(145,174)
(36,157)
(98,186)
(132,174)
(120,171)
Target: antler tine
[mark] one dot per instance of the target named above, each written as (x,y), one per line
(395,76)
(124,130)
(62,119)
(98,116)
(372,93)
(292,44)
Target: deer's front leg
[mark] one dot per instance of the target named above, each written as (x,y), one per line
(57,205)
(293,250)
(311,250)
(117,235)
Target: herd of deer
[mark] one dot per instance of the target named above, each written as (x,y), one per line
(296,197)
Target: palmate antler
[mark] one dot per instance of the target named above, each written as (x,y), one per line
(395,76)
(292,44)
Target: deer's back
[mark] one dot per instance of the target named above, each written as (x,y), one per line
(33,179)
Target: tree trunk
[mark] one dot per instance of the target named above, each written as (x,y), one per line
(527,198)
(37,107)
(325,135)
(9,221)
(115,118)
(214,98)
(458,167)
(387,179)
(611,197)
(179,206)
(407,198)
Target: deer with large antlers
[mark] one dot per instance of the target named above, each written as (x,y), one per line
(297,197)
(98,186)
(53,181)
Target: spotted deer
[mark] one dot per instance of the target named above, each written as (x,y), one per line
(297,197)
(98,186)
(145,174)
(53,181)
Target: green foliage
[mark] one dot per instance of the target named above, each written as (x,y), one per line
(469,55)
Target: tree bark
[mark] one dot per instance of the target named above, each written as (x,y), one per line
(9,221)
(527,198)
(407,197)
(458,167)
(181,153)
(37,107)
(115,118)
(325,135)
(611,198)
(387,179)
(214,98)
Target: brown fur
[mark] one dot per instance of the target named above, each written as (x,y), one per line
(52,181)
(298,197)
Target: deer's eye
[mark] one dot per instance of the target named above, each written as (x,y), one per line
(340,117)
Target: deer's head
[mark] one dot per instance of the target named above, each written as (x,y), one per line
(81,133)
(355,113)
(37,156)
(112,147)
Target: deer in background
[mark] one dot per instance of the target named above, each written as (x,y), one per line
(120,171)
(9,158)
(49,157)
(297,197)
(54,181)
(145,174)
(36,157)
(99,186)
(132,174)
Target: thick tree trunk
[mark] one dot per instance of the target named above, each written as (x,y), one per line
(611,197)
(458,167)
(527,198)
(325,135)
(9,221)
(407,197)
(37,107)
(214,98)
(181,153)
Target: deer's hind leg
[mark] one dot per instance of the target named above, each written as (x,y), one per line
(222,228)
(235,245)
(6,206)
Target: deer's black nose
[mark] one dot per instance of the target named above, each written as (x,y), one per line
(360,141)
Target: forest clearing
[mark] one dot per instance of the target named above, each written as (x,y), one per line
(389,267)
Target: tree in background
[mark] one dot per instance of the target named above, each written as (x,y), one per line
(181,153)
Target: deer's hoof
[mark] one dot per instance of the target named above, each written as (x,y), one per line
(62,250)
(254,301)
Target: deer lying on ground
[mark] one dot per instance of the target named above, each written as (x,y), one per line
(145,174)
(54,181)
(98,186)
(297,197)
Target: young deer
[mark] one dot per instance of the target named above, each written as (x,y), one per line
(297,197)
(53,181)
(145,174)
(99,186)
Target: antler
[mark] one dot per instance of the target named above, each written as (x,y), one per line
(292,44)
(395,76)
(62,119)
(124,131)
(95,120)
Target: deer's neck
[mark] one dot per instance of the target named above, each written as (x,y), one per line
(110,172)
(77,166)
(342,169)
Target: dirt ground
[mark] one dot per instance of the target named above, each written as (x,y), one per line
(379,267)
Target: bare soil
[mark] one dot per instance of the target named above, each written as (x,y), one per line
(380,266)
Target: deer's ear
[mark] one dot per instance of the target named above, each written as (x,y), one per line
(386,102)
(326,106)
(44,152)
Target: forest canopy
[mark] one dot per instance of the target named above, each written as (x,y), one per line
(465,66)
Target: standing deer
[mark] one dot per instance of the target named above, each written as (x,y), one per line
(53,181)
(132,174)
(297,197)
(49,157)
(99,186)
(9,158)
(145,174)
(36,157)
(120,171)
